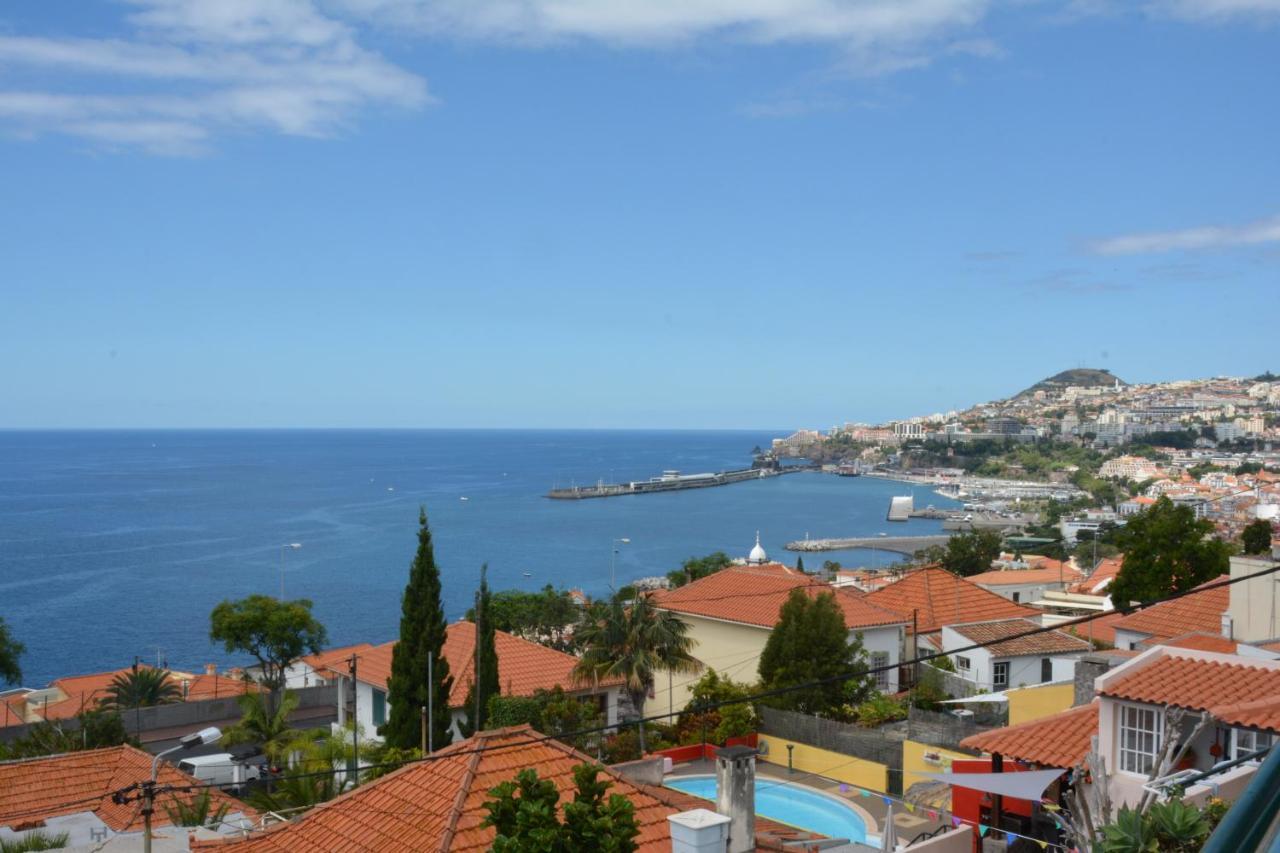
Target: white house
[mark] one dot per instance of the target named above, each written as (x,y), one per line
(1010,660)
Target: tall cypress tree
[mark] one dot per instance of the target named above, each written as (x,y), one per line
(422,635)
(486,662)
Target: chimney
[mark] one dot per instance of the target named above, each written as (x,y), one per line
(698,831)
(211,669)
(736,795)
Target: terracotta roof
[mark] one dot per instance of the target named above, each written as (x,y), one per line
(1003,642)
(1103,574)
(754,595)
(1102,629)
(940,598)
(1059,740)
(36,789)
(373,663)
(1009,577)
(438,805)
(1255,714)
(1199,611)
(1198,682)
(1202,640)
(84,692)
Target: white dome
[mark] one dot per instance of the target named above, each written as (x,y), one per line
(757,555)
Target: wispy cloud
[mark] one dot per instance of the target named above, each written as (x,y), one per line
(189,70)
(1077,281)
(1191,239)
(1216,11)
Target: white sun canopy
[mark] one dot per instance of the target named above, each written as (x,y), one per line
(1022,785)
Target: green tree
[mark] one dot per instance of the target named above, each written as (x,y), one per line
(1257,537)
(303,785)
(486,664)
(10,651)
(800,563)
(971,553)
(707,714)
(265,724)
(633,642)
(530,822)
(811,643)
(1166,550)
(93,729)
(141,687)
(422,635)
(545,617)
(696,568)
(276,633)
(197,810)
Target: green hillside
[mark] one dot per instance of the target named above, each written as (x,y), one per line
(1083,376)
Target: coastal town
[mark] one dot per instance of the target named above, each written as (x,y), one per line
(1104,665)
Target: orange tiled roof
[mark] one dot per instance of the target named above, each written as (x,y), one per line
(1004,642)
(37,789)
(1202,640)
(940,598)
(85,692)
(1197,683)
(1255,714)
(438,805)
(1199,611)
(373,663)
(1059,740)
(1102,629)
(1008,577)
(754,595)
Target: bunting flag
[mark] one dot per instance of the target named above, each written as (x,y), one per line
(982,829)
(911,809)
(865,793)
(1044,845)
(887,801)
(844,789)
(955,821)
(933,815)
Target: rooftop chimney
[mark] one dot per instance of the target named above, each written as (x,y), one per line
(736,795)
(211,669)
(698,831)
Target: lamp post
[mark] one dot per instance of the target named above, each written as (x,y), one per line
(613,562)
(291,546)
(191,741)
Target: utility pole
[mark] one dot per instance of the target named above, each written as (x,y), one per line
(477,722)
(431,700)
(424,729)
(355,720)
(148,806)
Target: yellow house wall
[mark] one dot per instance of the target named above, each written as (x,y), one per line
(822,762)
(729,648)
(914,765)
(1032,703)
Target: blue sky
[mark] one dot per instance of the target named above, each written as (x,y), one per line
(682,213)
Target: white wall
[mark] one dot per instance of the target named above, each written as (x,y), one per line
(889,640)
(1026,592)
(1024,670)
(1254,607)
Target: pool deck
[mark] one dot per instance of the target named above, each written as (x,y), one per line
(871,809)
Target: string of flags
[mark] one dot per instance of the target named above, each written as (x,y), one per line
(957,821)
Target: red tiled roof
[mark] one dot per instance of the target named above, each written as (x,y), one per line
(1003,641)
(1102,629)
(1197,683)
(1199,611)
(1102,575)
(1009,577)
(438,805)
(1059,740)
(940,598)
(37,789)
(754,595)
(1255,714)
(85,692)
(1201,640)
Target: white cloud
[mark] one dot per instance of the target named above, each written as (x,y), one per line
(192,69)
(1192,239)
(1216,11)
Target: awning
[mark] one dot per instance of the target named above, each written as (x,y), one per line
(981,697)
(1021,785)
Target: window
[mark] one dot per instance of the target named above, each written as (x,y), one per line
(1140,735)
(1017,596)
(881,659)
(962,662)
(379,707)
(1000,674)
(1046,669)
(1245,741)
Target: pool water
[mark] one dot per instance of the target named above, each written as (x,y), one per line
(794,805)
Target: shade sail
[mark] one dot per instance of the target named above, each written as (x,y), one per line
(1022,785)
(974,700)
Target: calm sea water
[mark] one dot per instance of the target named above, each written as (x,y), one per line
(115,544)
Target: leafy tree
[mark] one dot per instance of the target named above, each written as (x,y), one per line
(196,811)
(545,617)
(1257,537)
(718,723)
(486,685)
(10,651)
(274,632)
(530,822)
(800,563)
(696,568)
(633,642)
(971,553)
(1166,550)
(386,759)
(93,729)
(812,643)
(422,635)
(302,785)
(507,711)
(265,724)
(141,687)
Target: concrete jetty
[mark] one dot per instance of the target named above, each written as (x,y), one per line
(897,544)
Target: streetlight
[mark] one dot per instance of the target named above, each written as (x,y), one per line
(205,736)
(292,546)
(613,562)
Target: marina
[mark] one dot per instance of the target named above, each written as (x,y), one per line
(672,480)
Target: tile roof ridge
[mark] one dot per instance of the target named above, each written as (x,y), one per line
(464,791)
(78,753)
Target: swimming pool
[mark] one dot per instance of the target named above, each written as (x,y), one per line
(794,805)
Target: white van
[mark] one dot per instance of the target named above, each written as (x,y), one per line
(221,769)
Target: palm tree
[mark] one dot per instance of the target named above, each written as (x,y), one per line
(196,811)
(306,783)
(141,688)
(633,642)
(266,726)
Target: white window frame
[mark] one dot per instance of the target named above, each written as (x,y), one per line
(1245,741)
(962,662)
(879,659)
(996,681)
(1139,736)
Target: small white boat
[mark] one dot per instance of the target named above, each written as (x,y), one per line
(464,498)
(528,574)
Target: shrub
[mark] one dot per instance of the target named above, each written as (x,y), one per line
(878,710)
(35,841)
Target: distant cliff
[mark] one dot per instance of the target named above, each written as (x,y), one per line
(1086,377)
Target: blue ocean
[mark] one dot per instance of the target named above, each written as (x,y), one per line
(119,543)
